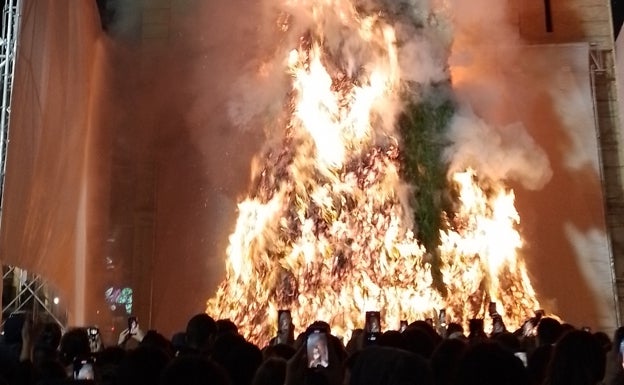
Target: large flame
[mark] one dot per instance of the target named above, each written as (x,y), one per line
(327,231)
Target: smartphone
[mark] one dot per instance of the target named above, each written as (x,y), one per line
(284,321)
(586,329)
(372,326)
(403,326)
(622,351)
(492,309)
(316,349)
(83,368)
(442,317)
(94,338)
(133,324)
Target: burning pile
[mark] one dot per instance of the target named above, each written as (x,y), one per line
(328,229)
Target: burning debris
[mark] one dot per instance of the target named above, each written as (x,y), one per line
(328,229)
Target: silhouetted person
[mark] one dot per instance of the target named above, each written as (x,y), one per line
(271,372)
(74,344)
(226,326)
(178,342)
(488,363)
(49,372)
(47,343)
(445,360)
(379,365)
(455,330)
(201,331)
(604,340)
(476,332)
(193,370)
(11,344)
(108,363)
(356,342)
(426,327)
(508,341)
(548,331)
(614,373)
(393,339)
(142,365)
(537,364)
(418,341)
(154,339)
(239,358)
(577,359)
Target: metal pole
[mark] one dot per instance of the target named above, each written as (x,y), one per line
(597,66)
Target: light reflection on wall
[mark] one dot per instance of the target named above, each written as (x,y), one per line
(119,299)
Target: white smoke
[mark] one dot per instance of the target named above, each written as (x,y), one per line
(590,247)
(571,105)
(509,153)
(482,134)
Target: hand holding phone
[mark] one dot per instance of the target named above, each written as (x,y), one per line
(133,331)
(498,326)
(529,329)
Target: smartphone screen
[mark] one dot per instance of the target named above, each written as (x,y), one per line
(133,324)
(83,369)
(284,321)
(94,339)
(442,317)
(403,326)
(372,325)
(316,348)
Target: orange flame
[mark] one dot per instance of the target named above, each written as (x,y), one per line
(326,230)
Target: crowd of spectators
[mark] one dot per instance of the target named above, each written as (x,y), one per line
(548,352)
